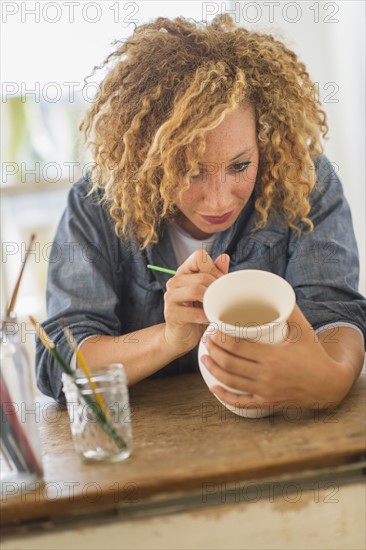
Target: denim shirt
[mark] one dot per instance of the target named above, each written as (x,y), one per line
(100,285)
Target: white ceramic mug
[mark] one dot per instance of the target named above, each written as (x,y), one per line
(249,285)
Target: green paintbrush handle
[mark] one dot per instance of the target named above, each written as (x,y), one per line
(162,269)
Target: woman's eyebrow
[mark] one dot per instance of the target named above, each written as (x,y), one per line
(247,150)
(244,152)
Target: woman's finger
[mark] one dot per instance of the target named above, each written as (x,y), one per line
(242,347)
(247,401)
(189,294)
(187,280)
(199,262)
(236,381)
(242,365)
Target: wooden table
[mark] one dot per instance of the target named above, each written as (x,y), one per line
(190,451)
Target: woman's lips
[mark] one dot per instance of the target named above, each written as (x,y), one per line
(217,219)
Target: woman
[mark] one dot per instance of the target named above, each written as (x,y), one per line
(208,158)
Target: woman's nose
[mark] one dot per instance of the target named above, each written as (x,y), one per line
(217,191)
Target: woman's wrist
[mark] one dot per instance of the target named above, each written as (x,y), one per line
(176,348)
(142,352)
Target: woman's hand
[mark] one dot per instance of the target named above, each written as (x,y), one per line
(185,320)
(298,370)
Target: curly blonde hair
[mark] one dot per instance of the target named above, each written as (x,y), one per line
(171,82)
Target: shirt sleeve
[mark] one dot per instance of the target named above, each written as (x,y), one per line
(323,266)
(73,358)
(335,325)
(80,285)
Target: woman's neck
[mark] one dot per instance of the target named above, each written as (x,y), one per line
(191,229)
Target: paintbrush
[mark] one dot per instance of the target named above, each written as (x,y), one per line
(83,364)
(16,288)
(161,269)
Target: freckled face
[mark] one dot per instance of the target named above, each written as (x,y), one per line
(227,176)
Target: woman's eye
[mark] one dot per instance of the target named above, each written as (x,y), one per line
(236,167)
(201,174)
(241,166)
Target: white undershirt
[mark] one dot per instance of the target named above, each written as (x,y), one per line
(184,245)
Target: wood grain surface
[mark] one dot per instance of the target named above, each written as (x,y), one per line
(185,440)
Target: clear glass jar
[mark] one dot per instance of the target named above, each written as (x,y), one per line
(101,429)
(20,443)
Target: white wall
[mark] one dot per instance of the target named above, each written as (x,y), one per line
(329,38)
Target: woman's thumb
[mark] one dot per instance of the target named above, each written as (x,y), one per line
(222,263)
